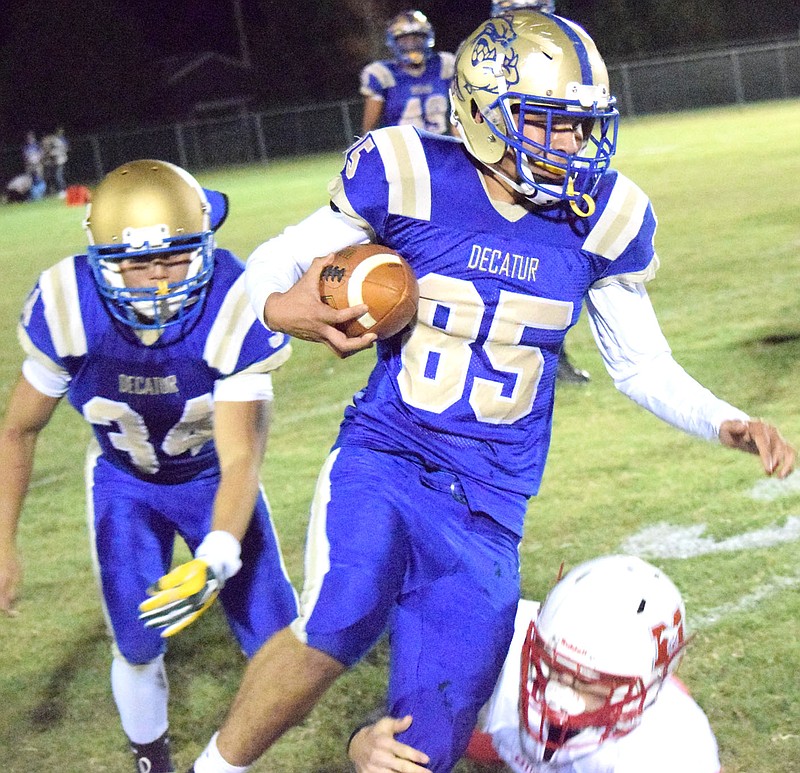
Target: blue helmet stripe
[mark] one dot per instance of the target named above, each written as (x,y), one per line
(580,50)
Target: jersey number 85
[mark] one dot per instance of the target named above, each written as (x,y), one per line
(438,354)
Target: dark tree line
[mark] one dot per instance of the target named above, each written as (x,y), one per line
(94,65)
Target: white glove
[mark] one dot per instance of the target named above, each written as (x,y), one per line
(221,551)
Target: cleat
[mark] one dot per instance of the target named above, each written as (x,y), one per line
(567,373)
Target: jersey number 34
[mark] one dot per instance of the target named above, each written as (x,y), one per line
(190,432)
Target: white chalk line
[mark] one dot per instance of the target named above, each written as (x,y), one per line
(770,489)
(743,603)
(41,482)
(664,540)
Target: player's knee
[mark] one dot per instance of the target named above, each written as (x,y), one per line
(347,645)
(137,652)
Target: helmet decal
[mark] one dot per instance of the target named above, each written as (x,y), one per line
(492,47)
(669,640)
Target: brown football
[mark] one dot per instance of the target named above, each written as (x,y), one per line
(377,276)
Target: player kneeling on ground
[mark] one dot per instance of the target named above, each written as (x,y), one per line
(151,339)
(588,685)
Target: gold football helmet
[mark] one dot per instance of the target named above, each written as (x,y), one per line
(142,210)
(535,63)
(410,38)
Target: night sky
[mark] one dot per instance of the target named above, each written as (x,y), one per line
(99,65)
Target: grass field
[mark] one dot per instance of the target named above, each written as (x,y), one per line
(724,185)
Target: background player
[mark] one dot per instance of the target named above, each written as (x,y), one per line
(411,88)
(502,6)
(593,671)
(419,508)
(151,340)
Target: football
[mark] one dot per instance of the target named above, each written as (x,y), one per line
(380,278)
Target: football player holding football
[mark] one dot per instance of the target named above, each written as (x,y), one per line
(588,685)
(412,87)
(419,508)
(151,339)
(567,372)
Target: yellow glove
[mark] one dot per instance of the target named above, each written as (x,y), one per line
(180,597)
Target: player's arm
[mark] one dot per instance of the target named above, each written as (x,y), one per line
(282,278)
(373,110)
(240,435)
(27,414)
(374,79)
(639,360)
(373,749)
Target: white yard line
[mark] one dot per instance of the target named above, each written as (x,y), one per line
(769,489)
(744,603)
(665,540)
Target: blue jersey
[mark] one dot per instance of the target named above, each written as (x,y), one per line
(470,387)
(416,100)
(150,406)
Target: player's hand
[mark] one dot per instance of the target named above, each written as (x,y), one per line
(10,581)
(301,313)
(373,749)
(757,437)
(180,597)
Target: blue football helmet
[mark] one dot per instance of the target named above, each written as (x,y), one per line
(410,38)
(547,68)
(140,211)
(504,6)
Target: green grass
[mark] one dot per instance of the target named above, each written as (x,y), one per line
(724,185)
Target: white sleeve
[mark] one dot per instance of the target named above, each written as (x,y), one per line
(43,379)
(640,362)
(278,263)
(500,716)
(244,388)
(501,709)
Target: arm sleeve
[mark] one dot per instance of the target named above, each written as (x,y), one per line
(640,362)
(49,382)
(374,80)
(244,387)
(278,263)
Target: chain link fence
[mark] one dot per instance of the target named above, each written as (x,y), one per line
(735,76)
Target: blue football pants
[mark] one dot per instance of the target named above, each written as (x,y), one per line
(391,544)
(133,524)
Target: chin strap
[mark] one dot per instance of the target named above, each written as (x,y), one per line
(585,197)
(541,198)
